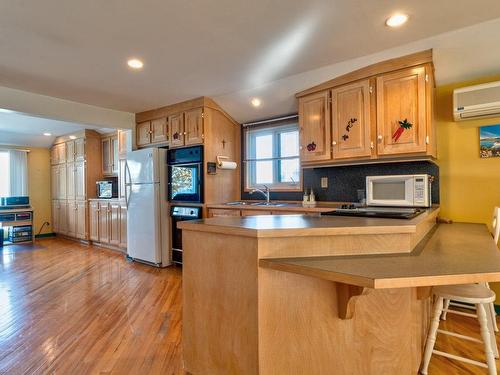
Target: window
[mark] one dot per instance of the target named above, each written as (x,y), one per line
(4,174)
(272,157)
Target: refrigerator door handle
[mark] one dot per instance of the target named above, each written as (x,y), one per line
(127,184)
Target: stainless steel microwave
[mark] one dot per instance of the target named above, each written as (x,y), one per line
(412,190)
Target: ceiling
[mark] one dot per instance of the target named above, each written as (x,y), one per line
(192,48)
(19,129)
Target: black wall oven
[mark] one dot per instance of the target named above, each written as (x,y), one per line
(185,174)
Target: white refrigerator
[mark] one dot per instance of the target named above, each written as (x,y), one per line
(147,208)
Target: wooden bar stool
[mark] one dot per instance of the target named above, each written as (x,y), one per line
(495,231)
(481,297)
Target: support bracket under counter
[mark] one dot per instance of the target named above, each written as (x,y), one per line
(347,296)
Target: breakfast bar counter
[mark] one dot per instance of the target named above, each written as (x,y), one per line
(320,295)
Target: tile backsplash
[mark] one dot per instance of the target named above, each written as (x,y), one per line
(343,182)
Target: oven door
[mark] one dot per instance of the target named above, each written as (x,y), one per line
(185,183)
(396,191)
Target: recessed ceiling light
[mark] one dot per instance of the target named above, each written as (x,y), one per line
(72,137)
(47,134)
(256,102)
(396,20)
(135,63)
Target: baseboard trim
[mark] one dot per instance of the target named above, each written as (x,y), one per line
(44,235)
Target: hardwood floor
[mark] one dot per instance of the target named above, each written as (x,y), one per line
(67,308)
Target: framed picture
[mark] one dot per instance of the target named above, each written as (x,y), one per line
(489,141)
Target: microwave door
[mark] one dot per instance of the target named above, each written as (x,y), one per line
(390,192)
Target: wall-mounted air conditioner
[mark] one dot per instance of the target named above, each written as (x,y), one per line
(476,101)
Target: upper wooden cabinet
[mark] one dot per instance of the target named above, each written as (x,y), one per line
(176,122)
(314,120)
(380,111)
(58,154)
(402,112)
(124,143)
(351,120)
(79,149)
(193,126)
(152,132)
(109,147)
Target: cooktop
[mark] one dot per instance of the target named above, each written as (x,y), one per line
(382,212)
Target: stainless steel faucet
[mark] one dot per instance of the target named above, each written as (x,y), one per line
(264,193)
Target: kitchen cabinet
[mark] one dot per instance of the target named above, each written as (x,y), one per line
(124,143)
(94,220)
(71,219)
(121,178)
(193,126)
(70,151)
(80,180)
(401,112)
(255,212)
(54,181)
(63,217)
(123,226)
(55,215)
(58,154)
(314,126)
(81,220)
(114,223)
(108,222)
(109,146)
(62,181)
(70,180)
(159,130)
(218,212)
(143,133)
(176,129)
(351,120)
(79,149)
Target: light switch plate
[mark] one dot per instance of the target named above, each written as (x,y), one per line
(324,182)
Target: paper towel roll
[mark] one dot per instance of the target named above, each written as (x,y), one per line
(227,165)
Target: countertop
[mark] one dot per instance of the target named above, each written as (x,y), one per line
(293,206)
(299,225)
(458,253)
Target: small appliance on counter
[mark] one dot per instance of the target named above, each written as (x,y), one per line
(8,203)
(394,197)
(107,189)
(181,213)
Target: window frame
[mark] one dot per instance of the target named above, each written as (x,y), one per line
(250,160)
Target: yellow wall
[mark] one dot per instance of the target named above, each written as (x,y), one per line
(469,185)
(39,185)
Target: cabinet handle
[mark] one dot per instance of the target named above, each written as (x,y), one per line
(300,147)
(334,143)
(380,137)
(371,145)
(427,140)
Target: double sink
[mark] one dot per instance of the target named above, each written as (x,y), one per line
(262,204)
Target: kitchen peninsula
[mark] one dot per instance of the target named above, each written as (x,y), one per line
(320,295)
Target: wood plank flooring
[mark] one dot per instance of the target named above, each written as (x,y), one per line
(67,308)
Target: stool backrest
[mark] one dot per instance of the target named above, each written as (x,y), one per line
(496,224)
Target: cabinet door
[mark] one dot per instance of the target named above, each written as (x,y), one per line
(193,126)
(70,151)
(114,155)
(123,226)
(63,217)
(103,222)
(401,112)
(351,122)
(220,212)
(314,119)
(61,153)
(80,188)
(55,216)
(114,223)
(94,221)
(54,181)
(62,181)
(54,155)
(255,212)
(81,220)
(70,180)
(80,149)
(106,156)
(159,130)
(143,133)
(176,130)
(71,219)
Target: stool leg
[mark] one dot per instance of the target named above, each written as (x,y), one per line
(491,327)
(493,316)
(485,334)
(431,336)
(446,306)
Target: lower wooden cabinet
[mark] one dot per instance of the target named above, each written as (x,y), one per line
(108,222)
(225,212)
(69,217)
